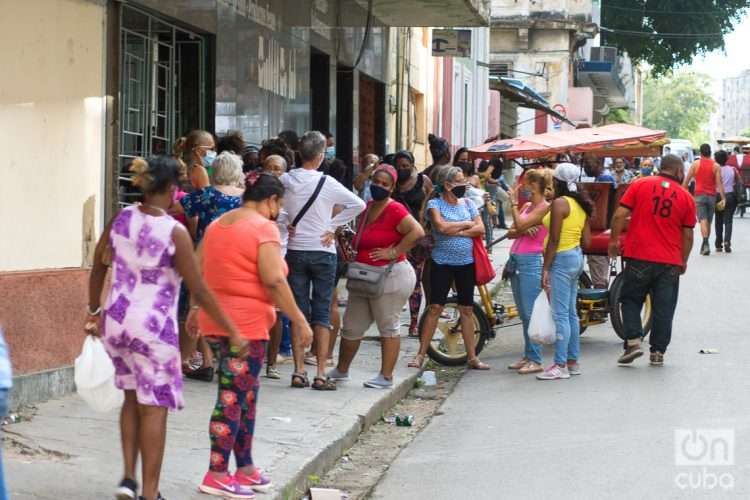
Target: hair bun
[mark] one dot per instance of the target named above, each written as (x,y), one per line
(141,179)
(432,139)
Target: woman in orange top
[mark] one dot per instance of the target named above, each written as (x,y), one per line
(242,265)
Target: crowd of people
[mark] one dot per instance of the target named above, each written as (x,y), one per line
(232,259)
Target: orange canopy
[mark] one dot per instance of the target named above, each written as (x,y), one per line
(610,140)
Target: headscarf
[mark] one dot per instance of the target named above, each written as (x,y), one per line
(569,174)
(384,167)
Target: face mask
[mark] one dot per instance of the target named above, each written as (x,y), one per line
(208,160)
(459,191)
(645,171)
(404,174)
(527,193)
(379,193)
(330,153)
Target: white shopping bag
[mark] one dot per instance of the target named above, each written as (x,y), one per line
(95,377)
(542,325)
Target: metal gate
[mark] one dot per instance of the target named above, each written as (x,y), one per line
(156,103)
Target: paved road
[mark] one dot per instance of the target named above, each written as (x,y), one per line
(611,432)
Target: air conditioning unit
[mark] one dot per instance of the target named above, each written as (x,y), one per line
(606,54)
(504,70)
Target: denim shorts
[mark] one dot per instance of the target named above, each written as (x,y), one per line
(705,204)
(312,275)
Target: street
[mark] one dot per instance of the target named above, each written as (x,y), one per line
(611,432)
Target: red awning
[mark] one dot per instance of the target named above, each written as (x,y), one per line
(610,140)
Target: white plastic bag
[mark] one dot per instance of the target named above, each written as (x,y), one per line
(95,377)
(542,325)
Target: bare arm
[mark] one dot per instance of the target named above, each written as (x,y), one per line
(687,245)
(359,181)
(445,227)
(690,174)
(477,229)
(560,210)
(586,234)
(188,267)
(719,182)
(618,224)
(271,270)
(199,177)
(412,232)
(99,269)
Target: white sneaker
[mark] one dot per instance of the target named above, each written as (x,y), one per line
(554,372)
(574,368)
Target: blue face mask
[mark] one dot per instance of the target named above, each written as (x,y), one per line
(330,153)
(208,160)
(646,171)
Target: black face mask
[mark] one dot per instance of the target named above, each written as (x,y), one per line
(459,191)
(404,174)
(379,193)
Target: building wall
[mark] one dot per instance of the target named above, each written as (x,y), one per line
(525,8)
(735,105)
(51,98)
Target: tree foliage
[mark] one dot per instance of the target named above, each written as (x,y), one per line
(687,28)
(679,103)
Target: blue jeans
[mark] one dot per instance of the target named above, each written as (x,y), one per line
(564,273)
(526,285)
(286,337)
(4,394)
(487,221)
(314,270)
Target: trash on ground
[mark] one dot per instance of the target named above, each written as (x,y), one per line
(429,378)
(326,494)
(286,420)
(400,420)
(709,350)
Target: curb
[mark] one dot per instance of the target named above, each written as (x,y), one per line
(327,457)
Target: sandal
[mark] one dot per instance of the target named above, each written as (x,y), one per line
(323,384)
(475,364)
(300,380)
(272,372)
(417,362)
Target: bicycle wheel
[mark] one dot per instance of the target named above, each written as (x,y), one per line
(615,313)
(447,346)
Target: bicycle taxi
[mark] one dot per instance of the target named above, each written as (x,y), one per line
(594,306)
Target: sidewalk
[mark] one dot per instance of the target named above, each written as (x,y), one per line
(75,453)
(67,451)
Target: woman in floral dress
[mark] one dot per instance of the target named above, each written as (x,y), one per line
(151,253)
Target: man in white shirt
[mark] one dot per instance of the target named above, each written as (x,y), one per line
(311,253)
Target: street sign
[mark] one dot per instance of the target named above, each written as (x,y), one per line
(451,43)
(560,109)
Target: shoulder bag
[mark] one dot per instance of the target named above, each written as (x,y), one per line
(364,280)
(309,203)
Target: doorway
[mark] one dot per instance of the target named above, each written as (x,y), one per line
(162,89)
(320,90)
(371,116)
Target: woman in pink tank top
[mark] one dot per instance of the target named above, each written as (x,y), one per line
(525,263)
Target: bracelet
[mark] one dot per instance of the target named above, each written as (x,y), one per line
(195,307)
(96,312)
(394,254)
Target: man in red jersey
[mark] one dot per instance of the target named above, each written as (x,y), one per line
(656,250)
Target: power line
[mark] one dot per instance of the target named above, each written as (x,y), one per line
(647,34)
(666,12)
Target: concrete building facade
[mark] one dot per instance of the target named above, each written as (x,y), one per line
(96,83)
(734,110)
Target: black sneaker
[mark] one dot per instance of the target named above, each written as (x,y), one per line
(203,374)
(632,352)
(705,248)
(728,247)
(719,249)
(127,490)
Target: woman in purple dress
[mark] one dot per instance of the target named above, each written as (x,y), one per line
(151,253)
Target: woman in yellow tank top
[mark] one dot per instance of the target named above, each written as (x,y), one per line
(567,223)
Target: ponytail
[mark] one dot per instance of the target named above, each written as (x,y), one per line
(582,198)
